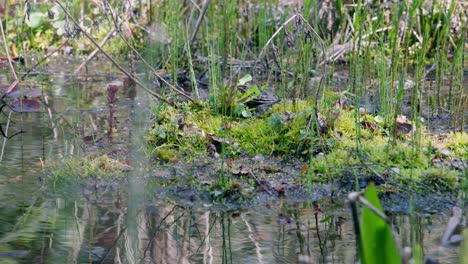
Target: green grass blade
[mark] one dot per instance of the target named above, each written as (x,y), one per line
(464,249)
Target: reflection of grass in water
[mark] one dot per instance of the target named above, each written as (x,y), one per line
(101,167)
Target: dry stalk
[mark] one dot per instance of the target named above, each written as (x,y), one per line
(7,52)
(282,27)
(199,21)
(95,51)
(137,81)
(179,91)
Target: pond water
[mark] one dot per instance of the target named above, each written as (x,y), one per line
(135,220)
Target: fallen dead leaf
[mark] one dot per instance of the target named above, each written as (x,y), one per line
(10,180)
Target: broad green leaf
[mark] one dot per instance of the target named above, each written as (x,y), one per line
(247,78)
(34,19)
(379,119)
(377,242)
(60,26)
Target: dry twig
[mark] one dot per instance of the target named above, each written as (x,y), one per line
(138,82)
(179,91)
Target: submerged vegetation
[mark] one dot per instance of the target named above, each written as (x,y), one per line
(355,92)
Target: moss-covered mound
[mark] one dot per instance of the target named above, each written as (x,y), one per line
(329,143)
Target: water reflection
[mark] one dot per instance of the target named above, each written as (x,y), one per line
(97,228)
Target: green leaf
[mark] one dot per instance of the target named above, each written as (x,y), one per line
(327,219)
(379,120)
(377,242)
(60,26)
(246,113)
(246,79)
(162,134)
(35,19)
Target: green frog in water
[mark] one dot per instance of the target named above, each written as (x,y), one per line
(265,98)
(251,95)
(261,99)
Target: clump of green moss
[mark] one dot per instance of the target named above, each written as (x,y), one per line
(457,143)
(190,131)
(383,156)
(442,179)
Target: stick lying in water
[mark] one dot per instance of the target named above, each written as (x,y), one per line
(95,51)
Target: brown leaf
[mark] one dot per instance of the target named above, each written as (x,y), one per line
(236,185)
(173,159)
(230,162)
(369,125)
(26,105)
(339,104)
(245,170)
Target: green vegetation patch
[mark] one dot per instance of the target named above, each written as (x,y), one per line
(193,130)
(345,141)
(100,167)
(190,130)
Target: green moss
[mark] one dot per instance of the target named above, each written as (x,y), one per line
(166,154)
(83,168)
(335,163)
(400,156)
(331,165)
(410,162)
(346,125)
(189,129)
(458,144)
(441,179)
